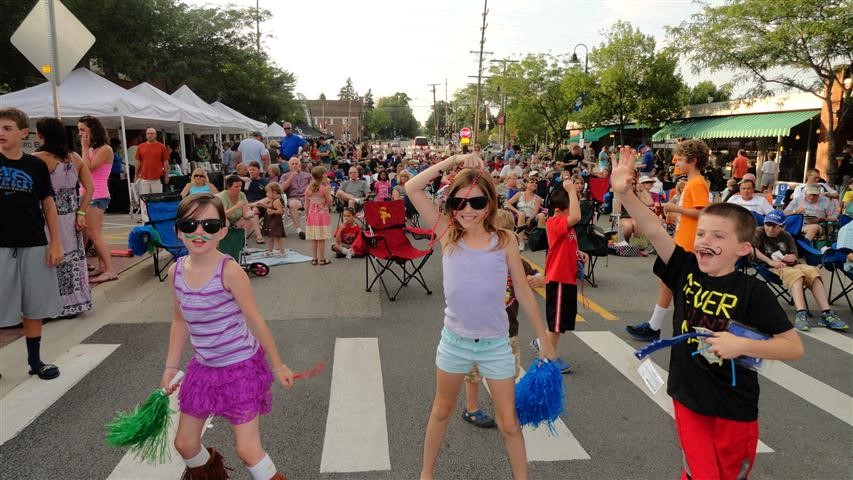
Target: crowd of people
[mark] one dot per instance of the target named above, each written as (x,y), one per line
(482,212)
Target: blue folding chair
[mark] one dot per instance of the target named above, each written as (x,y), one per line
(779,195)
(162,212)
(833,260)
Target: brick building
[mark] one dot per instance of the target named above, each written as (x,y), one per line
(343,118)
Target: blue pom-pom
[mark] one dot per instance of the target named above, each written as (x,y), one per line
(539,395)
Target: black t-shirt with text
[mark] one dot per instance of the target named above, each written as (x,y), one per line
(701,300)
(24,183)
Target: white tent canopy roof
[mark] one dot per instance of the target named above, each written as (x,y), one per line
(85,93)
(252,124)
(274,131)
(195,120)
(228,123)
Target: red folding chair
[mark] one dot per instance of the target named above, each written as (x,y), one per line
(598,187)
(389,250)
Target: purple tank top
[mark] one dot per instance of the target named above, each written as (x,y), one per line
(218,330)
(475,290)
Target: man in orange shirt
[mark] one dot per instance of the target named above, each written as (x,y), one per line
(691,157)
(740,165)
(152,163)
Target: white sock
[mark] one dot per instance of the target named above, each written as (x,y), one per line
(658,317)
(263,470)
(199,459)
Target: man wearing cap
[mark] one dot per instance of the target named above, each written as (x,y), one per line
(776,248)
(291,144)
(740,165)
(813,180)
(253,150)
(815,208)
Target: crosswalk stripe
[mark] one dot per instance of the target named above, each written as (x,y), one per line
(356,438)
(833,339)
(621,356)
(129,468)
(33,396)
(812,390)
(542,446)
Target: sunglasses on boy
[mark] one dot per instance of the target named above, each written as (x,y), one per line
(772,225)
(210,225)
(458,203)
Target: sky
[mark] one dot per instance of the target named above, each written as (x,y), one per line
(393,46)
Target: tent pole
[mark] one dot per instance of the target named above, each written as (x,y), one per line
(127,169)
(184,162)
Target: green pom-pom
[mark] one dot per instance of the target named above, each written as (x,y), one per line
(144,429)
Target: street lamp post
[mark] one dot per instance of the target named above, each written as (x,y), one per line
(575,60)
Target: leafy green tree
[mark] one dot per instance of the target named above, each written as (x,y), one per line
(702,91)
(633,82)
(369,103)
(770,45)
(322,97)
(402,119)
(347,92)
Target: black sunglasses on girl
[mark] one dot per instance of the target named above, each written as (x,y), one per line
(210,225)
(458,203)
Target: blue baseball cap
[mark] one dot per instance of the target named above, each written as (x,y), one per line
(641,146)
(776,217)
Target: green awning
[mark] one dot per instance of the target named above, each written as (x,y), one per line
(736,126)
(594,134)
(759,125)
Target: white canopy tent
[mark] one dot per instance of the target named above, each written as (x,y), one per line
(85,93)
(190,118)
(274,130)
(227,123)
(252,124)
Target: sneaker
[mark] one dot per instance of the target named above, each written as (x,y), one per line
(478,418)
(534,344)
(301,235)
(830,320)
(564,366)
(643,331)
(349,256)
(801,321)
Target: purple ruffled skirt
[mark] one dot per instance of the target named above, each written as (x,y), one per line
(237,392)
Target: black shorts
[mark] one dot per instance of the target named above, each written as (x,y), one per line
(561,306)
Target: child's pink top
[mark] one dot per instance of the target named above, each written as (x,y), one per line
(100,175)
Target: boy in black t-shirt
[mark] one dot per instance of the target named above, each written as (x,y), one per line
(28,282)
(716,416)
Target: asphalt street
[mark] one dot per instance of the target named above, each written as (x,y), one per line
(315,312)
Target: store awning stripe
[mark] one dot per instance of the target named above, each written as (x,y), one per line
(738,126)
(596,134)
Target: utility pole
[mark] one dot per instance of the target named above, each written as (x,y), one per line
(446,113)
(258,24)
(434,110)
(480,70)
(504,61)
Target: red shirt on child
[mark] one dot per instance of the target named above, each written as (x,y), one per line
(561,261)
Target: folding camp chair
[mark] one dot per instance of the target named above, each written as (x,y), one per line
(592,240)
(833,260)
(162,212)
(389,250)
(598,188)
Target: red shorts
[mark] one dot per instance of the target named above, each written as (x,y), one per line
(715,448)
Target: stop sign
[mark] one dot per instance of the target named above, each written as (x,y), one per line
(465,132)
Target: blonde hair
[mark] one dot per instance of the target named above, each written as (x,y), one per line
(201,171)
(318,174)
(504,219)
(463,181)
(274,187)
(274,170)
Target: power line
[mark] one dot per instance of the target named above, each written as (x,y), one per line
(480,69)
(434,111)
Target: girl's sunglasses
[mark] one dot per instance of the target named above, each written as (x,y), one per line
(458,203)
(211,225)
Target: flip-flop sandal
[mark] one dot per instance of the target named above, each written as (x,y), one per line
(103,278)
(325,262)
(48,371)
(95,273)
(313,261)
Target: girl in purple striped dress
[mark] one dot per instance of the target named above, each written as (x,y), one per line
(228,375)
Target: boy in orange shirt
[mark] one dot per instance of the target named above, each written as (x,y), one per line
(691,157)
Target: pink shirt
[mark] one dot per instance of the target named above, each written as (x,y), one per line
(100,176)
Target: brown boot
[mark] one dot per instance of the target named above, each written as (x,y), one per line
(214,469)
(278,476)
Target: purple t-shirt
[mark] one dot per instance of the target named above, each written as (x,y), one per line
(298,185)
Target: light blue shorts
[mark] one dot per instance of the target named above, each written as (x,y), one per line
(493,356)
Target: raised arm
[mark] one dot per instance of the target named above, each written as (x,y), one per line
(415,187)
(647,221)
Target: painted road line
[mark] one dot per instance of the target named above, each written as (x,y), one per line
(621,356)
(810,389)
(356,438)
(130,468)
(833,339)
(33,396)
(541,446)
(582,299)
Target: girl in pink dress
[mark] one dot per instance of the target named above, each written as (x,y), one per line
(318,199)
